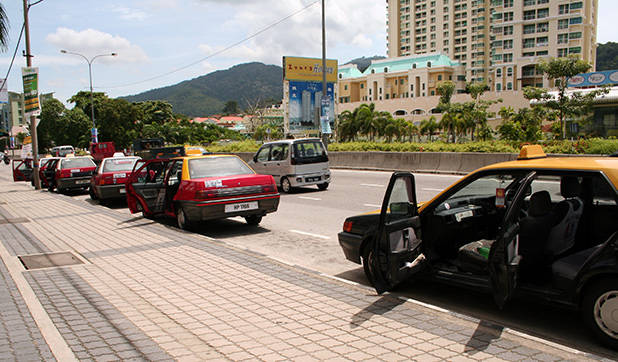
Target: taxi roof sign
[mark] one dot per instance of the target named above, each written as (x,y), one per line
(531,152)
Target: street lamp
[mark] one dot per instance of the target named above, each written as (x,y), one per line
(95,137)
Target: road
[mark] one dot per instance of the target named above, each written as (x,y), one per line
(304,231)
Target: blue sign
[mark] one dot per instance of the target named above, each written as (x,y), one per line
(95,135)
(594,79)
(306,107)
(324,117)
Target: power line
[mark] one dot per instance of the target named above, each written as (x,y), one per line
(6,78)
(218,52)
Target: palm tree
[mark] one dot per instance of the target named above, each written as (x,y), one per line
(4,29)
(429,127)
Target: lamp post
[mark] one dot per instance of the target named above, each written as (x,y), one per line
(89,61)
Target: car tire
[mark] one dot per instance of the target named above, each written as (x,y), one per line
(286,186)
(182,220)
(253,220)
(367,268)
(599,308)
(92,194)
(323,186)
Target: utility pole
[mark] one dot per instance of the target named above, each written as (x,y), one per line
(35,145)
(324,86)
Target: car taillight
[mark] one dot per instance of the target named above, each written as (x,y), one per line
(64,173)
(106,180)
(347,226)
(206,194)
(269,188)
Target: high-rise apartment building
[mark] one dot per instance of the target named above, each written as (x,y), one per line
(498,41)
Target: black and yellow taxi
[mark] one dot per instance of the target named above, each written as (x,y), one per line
(537,227)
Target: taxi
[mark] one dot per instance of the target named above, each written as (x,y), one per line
(199,188)
(22,170)
(107,181)
(45,162)
(69,173)
(537,227)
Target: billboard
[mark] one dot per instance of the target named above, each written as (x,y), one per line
(306,109)
(31,90)
(594,79)
(308,69)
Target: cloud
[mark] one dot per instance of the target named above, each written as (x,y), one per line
(92,42)
(130,14)
(354,22)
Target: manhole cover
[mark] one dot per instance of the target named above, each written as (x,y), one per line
(49,260)
(17,220)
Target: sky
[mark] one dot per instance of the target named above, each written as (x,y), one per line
(164,42)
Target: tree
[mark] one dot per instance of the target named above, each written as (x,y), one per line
(445,90)
(4,29)
(567,106)
(50,123)
(231,107)
(607,56)
(429,127)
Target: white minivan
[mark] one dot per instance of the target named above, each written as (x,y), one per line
(294,163)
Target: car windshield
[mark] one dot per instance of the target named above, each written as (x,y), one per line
(76,162)
(119,164)
(217,167)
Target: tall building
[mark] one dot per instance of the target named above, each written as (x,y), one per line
(498,41)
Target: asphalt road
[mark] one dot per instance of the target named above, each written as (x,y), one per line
(304,232)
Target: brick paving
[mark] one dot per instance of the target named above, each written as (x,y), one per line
(151,292)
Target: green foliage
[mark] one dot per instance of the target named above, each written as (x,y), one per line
(207,95)
(231,147)
(523,125)
(268,131)
(607,56)
(231,107)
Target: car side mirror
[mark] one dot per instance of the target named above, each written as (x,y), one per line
(255,158)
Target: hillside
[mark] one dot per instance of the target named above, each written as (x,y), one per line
(607,56)
(364,63)
(207,94)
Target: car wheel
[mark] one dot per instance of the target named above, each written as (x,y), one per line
(367,255)
(600,309)
(285,185)
(92,194)
(253,220)
(323,186)
(181,218)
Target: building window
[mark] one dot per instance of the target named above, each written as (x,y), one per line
(439,77)
(498,72)
(577,5)
(577,20)
(563,38)
(562,53)
(529,29)
(509,72)
(563,24)
(563,9)
(498,87)
(508,44)
(575,50)
(529,43)
(362,85)
(542,27)
(509,86)
(542,13)
(576,35)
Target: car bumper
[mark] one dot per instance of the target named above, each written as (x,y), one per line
(73,182)
(111,191)
(201,211)
(309,179)
(351,245)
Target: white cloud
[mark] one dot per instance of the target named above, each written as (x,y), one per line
(92,42)
(362,41)
(130,14)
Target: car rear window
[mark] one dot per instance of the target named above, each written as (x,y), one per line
(217,167)
(309,152)
(119,165)
(76,162)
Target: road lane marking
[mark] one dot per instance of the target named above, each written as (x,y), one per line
(372,205)
(309,198)
(310,234)
(430,189)
(372,185)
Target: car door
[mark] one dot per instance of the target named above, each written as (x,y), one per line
(260,160)
(50,172)
(146,186)
(18,166)
(397,253)
(503,260)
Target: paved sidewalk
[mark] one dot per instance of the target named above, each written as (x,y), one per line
(146,291)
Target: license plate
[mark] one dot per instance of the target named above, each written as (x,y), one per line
(312,179)
(241,207)
(120,175)
(79,182)
(122,191)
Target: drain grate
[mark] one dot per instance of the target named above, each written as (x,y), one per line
(49,260)
(17,220)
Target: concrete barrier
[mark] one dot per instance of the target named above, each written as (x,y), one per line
(450,162)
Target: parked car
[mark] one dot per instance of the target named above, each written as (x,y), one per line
(200,188)
(294,163)
(101,150)
(43,164)
(107,182)
(69,173)
(22,170)
(539,228)
(63,151)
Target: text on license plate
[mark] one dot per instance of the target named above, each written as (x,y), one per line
(79,182)
(243,206)
(122,191)
(312,179)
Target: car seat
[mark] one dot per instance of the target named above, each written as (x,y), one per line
(534,231)
(568,212)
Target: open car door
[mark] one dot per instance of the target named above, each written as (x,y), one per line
(146,187)
(504,258)
(18,166)
(397,249)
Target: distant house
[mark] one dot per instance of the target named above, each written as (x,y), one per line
(204,120)
(229,121)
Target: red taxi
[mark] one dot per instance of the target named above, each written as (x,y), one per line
(45,162)
(199,188)
(109,178)
(69,173)
(22,170)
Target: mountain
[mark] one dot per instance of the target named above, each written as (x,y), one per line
(208,94)
(607,56)
(364,63)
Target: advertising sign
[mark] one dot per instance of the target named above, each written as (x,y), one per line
(94,133)
(308,69)
(31,90)
(594,79)
(305,103)
(325,116)
(26,151)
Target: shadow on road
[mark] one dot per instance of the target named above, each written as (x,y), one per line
(381,306)
(484,334)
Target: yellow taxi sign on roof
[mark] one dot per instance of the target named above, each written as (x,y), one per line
(530,152)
